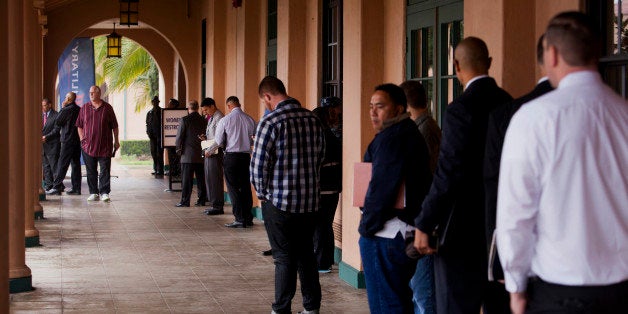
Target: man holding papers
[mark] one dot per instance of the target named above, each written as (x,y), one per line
(213,156)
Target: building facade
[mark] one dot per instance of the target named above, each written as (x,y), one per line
(218,48)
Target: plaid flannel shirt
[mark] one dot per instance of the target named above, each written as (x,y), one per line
(287,156)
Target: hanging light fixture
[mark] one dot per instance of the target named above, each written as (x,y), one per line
(114,44)
(129,12)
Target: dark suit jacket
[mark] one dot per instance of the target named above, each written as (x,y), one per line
(187,142)
(458,182)
(51,131)
(497,125)
(66,121)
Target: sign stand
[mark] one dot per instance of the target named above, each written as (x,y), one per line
(171,119)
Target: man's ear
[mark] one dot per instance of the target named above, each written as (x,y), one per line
(552,56)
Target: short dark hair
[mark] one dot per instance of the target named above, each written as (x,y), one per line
(174,101)
(233,99)
(271,85)
(539,49)
(331,101)
(575,37)
(208,102)
(395,93)
(46,100)
(415,94)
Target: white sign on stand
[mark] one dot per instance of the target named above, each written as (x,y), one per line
(170,125)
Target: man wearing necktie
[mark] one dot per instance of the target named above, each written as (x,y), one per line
(50,142)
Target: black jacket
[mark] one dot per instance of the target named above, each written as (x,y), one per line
(458,186)
(153,123)
(497,125)
(397,153)
(51,131)
(66,121)
(188,144)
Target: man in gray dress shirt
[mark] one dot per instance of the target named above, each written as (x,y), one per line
(213,155)
(235,133)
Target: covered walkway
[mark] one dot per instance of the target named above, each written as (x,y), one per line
(139,253)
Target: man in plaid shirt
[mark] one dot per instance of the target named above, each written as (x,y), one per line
(287,155)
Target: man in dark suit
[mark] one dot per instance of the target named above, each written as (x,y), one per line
(70,147)
(456,198)
(497,124)
(153,130)
(50,140)
(188,143)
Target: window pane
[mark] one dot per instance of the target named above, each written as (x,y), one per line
(451,36)
(450,89)
(620,27)
(422,63)
(615,77)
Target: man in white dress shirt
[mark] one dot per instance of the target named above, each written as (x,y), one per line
(562,219)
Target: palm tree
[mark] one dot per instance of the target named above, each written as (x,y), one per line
(135,69)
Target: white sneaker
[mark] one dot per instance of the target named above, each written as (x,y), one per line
(93,197)
(105,197)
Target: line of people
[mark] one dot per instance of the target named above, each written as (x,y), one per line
(537,183)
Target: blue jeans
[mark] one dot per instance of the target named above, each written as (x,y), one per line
(387,271)
(422,284)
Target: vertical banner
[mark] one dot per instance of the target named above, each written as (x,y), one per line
(76,70)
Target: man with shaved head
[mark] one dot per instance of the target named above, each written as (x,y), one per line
(70,148)
(455,202)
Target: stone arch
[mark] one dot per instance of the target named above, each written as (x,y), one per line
(175,23)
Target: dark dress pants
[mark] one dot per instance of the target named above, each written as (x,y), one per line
(188,171)
(324,231)
(460,278)
(70,155)
(545,297)
(49,162)
(98,183)
(238,185)
(214,181)
(157,152)
(290,237)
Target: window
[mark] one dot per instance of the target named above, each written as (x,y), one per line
(433,29)
(332,48)
(271,35)
(612,18)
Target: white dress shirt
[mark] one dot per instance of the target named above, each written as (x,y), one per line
(235,132)
(562,208)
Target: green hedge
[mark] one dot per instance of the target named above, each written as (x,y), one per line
(135,148)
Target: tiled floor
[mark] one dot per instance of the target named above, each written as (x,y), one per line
(140,254)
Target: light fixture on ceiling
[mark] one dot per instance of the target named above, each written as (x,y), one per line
(129,12)
(114,44)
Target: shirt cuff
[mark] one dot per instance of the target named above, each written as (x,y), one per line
(516,282)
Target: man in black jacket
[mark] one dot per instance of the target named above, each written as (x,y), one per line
(398,155)
(153,130)
(70,148)
(50,140)
(456,198)
(497,124)
(188,144)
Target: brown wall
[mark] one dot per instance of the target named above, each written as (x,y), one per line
(4,165)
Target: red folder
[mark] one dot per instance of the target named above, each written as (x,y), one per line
(362,172)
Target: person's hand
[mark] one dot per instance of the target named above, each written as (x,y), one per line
(43,139)
(207,154)
(116,145)
(518,302)
(202,137)
(421,242)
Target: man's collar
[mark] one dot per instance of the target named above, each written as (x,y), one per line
(394,120)
(475,79)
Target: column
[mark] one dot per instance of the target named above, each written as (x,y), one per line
(32,133)
(19,274)
(4,164)
(291,46)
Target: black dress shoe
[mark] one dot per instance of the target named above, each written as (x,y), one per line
(182,205)
(73,192)
(235,224)
(153,173)
(167,173)
(53,192)
(267,252)
(248,223)
(213,211)
(199,203)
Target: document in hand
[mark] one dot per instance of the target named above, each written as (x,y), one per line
(210,144)
(362,172)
